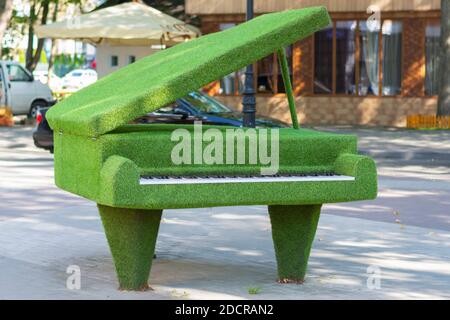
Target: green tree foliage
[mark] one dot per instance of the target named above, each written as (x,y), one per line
(40,12)
(46,11)
(6,9)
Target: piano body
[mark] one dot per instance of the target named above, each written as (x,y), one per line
(128,171)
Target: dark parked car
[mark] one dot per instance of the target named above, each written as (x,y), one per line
(195,106)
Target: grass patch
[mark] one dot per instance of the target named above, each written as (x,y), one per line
(254,290)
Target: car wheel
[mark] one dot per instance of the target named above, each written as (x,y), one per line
(35,107)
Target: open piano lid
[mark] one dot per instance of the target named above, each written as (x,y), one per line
(161,78)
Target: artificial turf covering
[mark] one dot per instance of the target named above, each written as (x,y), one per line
(107,170)
(98,157)
(163,77)
(131,235)
(293,231)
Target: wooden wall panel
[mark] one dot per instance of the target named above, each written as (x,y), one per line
(413,64)
(303,66)
(261,6)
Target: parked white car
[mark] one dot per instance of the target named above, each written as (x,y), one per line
(79,78)
(55,83)
(20,91)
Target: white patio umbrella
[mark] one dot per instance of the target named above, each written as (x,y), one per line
(129,23)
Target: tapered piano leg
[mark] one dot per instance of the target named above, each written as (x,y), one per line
(293,231)
(131,235)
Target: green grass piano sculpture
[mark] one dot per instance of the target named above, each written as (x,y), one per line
(100,156)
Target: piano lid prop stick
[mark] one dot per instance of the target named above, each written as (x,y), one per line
(288,86)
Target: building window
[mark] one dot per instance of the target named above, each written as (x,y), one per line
(392,58)
(323,62)
(269,76)
(432,48)
(232,83)
(131,59)
(114,61)
(225,26)
(266,73)
(369,60)
(347,59)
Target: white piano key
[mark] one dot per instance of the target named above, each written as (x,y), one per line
(215,180)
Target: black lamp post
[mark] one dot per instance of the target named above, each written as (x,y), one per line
(249,101)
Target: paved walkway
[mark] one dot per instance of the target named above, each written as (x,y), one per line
(414,177)
(223,252)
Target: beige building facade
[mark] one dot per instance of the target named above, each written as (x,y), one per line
(113,57)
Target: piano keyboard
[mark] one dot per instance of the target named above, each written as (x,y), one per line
(214,179)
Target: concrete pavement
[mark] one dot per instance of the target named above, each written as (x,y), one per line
(414,177)
(221,253)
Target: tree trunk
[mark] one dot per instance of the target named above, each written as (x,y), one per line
(444,89)
(51,60)
(32,19)
(6,9)
(33,59)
